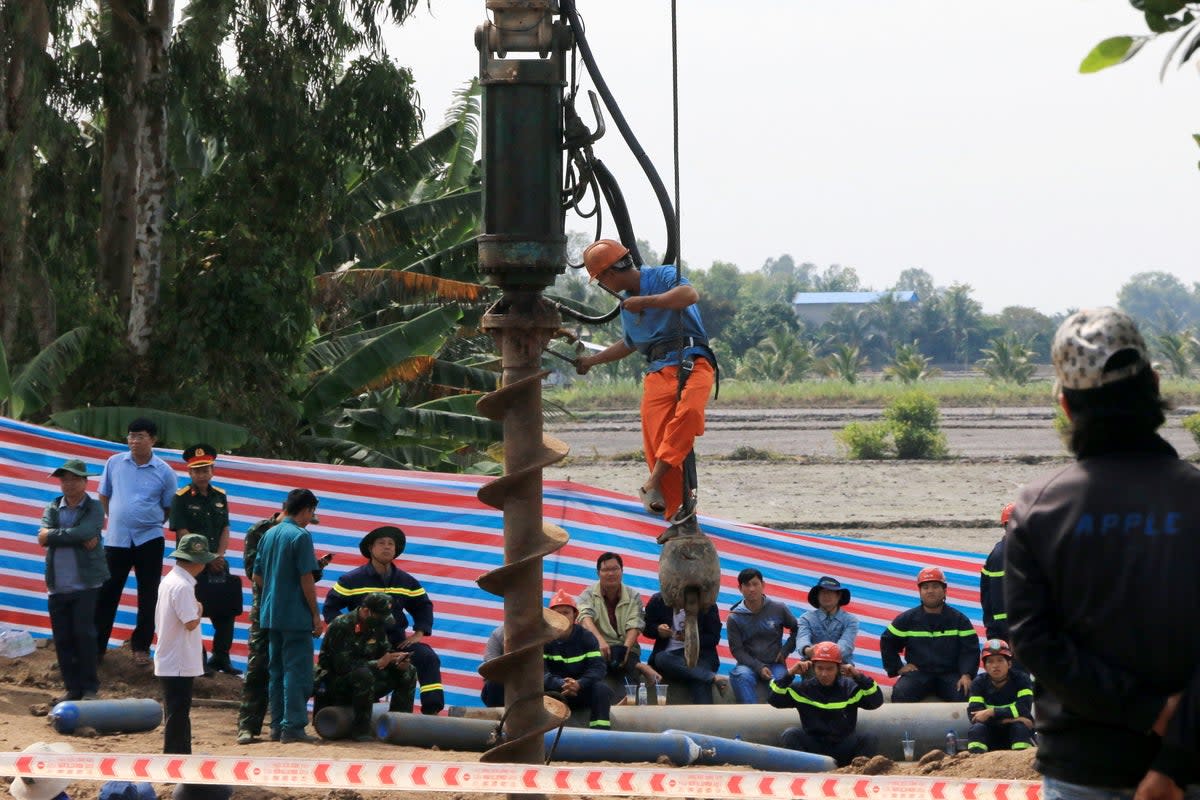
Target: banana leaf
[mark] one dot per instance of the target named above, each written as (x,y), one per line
(174,430)
(35,383)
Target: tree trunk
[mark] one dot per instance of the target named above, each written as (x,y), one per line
(25,32)
(152,177)
(120,65)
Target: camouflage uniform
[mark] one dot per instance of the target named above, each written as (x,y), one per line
(257,678)
(347,668)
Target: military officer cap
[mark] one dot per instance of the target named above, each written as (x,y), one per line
(380,606)
(194,547)
(391,531)
(200,455)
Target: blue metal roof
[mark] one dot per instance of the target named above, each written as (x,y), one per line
(821,298)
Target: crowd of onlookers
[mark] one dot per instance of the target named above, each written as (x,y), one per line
(1093,585)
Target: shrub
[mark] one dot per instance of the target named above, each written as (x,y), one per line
(866,440)
(913,442)
(1192,425)
(915,424)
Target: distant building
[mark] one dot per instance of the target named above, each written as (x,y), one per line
(815,308)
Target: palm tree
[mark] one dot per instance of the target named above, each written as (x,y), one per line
(781,356)
(909,365)
(961,319)
(844,362)
(1009,359)
(1173,348)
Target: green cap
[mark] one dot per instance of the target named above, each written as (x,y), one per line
(194,547)
(380,606)
(73,466)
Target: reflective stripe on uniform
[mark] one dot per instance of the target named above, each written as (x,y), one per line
(987,573)
(929,634)
(431,687)
(400,590)
(599,723)
(572,659)
(839,704)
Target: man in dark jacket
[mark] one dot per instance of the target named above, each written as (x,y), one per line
(991,584)
(755,626)
(1100,580)
(939,643)
(665,625)
(828,702)
(1001,703)
(574,667)
(381,547)
(75,571)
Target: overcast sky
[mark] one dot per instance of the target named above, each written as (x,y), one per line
(958,137)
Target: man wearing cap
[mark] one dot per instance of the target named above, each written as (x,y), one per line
(75,571)
(381,547)
(574,667)
(179,656)
(991,584)
(661,322)
(257,679)
(288,613)
(1100,580)
(201,507)
(136,490)
(1000,705)
(828,701)
(755,626)
(828,621)
(357,666)
(940,646)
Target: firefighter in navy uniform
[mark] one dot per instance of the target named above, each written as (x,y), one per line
(828,701)
(575,668)
(357,665)
(200,507)
(991,584)
(1000,705)
(381,547)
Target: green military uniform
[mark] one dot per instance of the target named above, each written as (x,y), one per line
(347,670)
(208,514)
(258,677)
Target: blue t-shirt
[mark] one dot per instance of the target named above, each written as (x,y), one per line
(654,325)
(138,497)
(284,555)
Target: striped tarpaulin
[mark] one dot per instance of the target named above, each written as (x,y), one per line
(453,538)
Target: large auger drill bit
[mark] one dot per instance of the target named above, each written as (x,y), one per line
(522,327)
(689,577)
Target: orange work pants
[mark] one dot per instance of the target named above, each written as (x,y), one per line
(670,425)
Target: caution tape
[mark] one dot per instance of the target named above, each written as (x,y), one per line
(463,777)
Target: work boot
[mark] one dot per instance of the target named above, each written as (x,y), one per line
(224,666)
(246,737)
(297,737)
(274,735)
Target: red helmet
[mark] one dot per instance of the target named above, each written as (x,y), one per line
(561,598)
(600,255)
(827,651)
(931,574)
(996,647)
(1006,513)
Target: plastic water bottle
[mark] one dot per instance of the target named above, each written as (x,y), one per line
(641,694)
(951,742)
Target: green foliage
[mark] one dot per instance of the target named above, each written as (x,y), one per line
(781,356)
(1008,360)
(915,425)
(1160,302)
(1062,426)
(909,366)
(1192,425)
(1112,51)
(845,363)
(1175,349)
(30,387)
(866,440)
(753,320)
(174,430)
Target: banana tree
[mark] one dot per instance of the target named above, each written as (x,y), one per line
(29,388)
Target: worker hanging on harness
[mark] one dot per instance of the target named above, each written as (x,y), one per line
(662,322)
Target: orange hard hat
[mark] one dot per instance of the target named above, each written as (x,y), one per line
(827,651)
(995,647)
(931,574)
(561,598)
(1006,513)
(602,254)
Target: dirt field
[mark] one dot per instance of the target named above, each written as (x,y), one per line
(805,485)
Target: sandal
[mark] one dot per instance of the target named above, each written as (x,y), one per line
(652,500)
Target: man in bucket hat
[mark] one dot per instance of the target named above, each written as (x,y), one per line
(179,656)
(357,666)
(381,547)
(1100,580)
(828,621)
(75,571)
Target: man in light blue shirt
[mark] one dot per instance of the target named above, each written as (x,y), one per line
(828,621)
(136,490)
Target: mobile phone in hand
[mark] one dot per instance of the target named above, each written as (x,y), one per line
(325,559)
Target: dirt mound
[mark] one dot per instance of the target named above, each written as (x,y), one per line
(1013,765)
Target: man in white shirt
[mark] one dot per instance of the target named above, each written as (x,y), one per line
(179,657)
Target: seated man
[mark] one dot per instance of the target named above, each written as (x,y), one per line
(1000,706)
(665,624)
(828,621)
(612,612)
(381,547)
(755,627)
(828,703)
(357,666)
(575,668)
(492,693)
(939,644)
